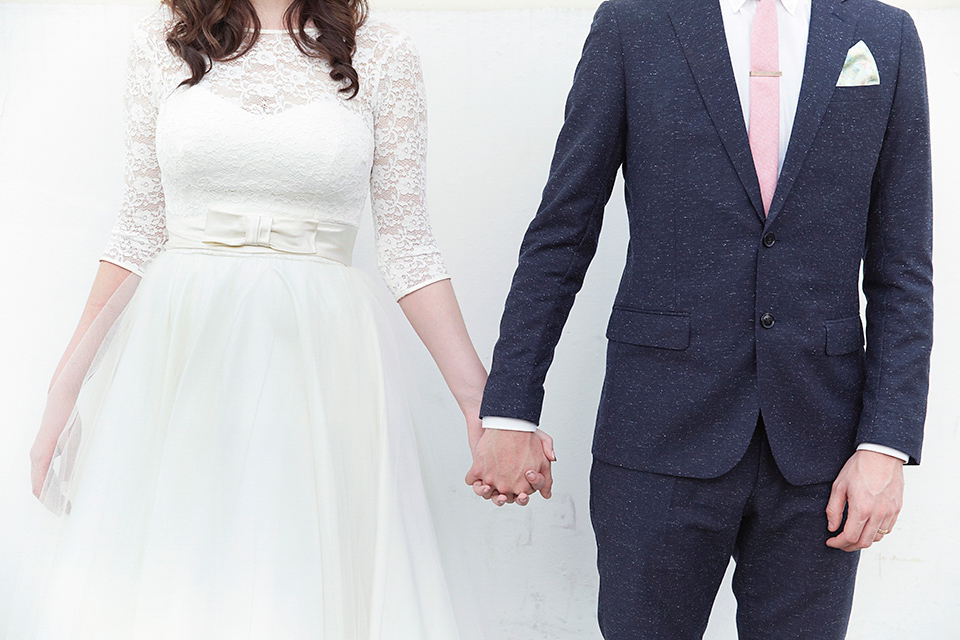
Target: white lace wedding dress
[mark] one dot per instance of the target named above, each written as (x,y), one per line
(246,467)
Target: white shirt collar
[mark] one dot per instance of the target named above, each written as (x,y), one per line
(789,5)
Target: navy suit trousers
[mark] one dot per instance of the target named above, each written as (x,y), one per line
(664,543)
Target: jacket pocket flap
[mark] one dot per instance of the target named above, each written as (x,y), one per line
(650,329)
(844,336)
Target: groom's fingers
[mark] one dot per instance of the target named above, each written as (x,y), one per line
(886,526)
(838,498)
(848,539)
(510,491)
(869,534)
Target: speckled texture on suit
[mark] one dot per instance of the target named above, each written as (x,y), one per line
(664,543)
(723,314)
(689,364)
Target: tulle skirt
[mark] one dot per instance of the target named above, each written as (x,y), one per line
(247,467)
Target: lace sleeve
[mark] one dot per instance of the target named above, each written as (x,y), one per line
(407,253)
(140,231)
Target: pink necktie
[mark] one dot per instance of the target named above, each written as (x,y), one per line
(765,98)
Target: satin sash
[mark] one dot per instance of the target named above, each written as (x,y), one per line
(259,234)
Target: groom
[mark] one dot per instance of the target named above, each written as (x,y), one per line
(770,148)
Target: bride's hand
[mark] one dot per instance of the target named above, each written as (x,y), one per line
(40,456)
(474,429)
(547,443)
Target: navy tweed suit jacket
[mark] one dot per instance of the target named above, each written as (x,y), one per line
(723,313)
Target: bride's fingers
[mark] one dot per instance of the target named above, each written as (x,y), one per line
(547,443)
(36,482)
(523,499)
(503,498)
(472,476)
(39,464)
(547,490)
(536,480)
(483,490)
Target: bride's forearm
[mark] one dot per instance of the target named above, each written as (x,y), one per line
(435,315)
(108,280)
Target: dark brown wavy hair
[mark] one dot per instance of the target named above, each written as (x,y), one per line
(208,31)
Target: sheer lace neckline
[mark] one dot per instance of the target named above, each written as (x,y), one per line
(318,163)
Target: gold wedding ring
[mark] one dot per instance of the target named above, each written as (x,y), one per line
(883,532)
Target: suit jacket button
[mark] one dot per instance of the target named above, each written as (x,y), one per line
(766,320)
(769,240)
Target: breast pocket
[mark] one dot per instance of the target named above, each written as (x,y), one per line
(846,94)
(660,329)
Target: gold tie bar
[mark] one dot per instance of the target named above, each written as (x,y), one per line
(766,74)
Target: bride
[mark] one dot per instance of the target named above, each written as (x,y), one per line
(226,429)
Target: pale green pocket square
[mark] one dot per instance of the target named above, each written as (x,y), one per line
(859,69)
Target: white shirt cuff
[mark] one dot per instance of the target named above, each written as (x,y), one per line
(515,424)
(879,448)
(508,424)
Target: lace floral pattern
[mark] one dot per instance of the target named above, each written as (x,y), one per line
(140,231)
(272,131)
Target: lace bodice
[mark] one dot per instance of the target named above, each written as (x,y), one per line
(269,133)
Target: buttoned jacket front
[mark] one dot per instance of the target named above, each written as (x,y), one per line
(722,312)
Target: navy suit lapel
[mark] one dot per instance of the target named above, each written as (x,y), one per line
(832,26)
(699,27)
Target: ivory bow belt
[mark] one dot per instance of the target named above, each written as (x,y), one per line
(263,234)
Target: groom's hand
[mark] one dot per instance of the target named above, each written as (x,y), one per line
(509,466)
(871,485)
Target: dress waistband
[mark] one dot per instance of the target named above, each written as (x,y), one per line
(262,234)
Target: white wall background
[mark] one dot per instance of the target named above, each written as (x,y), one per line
(497,80)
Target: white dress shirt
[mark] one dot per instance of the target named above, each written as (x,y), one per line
(793,25)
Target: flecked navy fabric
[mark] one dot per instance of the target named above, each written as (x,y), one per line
(722,313)
(664,543)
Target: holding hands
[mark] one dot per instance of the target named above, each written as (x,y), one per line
(510,466)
